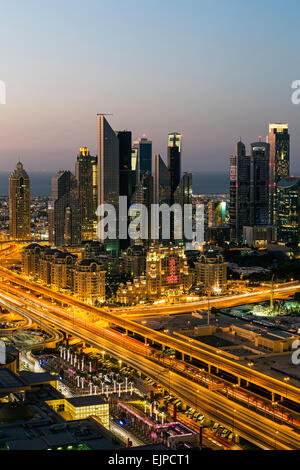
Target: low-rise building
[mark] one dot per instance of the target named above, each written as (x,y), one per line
(89,281)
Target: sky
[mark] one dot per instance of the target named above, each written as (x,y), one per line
(215,71)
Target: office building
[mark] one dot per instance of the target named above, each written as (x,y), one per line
(211,273)
(143,157)
(89,281)
(239,191)
(279,140)
(174,160)
(19,204)
(127,179)
(86,176)
(108,174)
(64,210)
(182,196)
(167,271)
(259,183)
(288,211)
(134,261)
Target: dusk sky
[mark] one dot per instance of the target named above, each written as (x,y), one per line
(214,71)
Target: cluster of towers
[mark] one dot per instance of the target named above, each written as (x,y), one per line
(119,169)
(255,181)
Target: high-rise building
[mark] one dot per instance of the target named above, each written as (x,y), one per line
(19,204)
(182,196)
(239,191)
(161,189)
(31,259)
(64,210)
(288,211)
(127,176)
(108,174)
(125,150)
(143,195)
(86,176)
(259,183)
(217,213)
(279,140)
(134,261)
(174,160)
(143,154)
(161,181)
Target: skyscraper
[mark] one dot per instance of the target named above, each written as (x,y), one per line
(19,204)
(108,173)
(143,154)
(239,191)
(127,180)
(259,183)
(174,160)
(182,196)
(86,176)
(161,188)
(161,181)
(279,140)
(64,210)
(288,211)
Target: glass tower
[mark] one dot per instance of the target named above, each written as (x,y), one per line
(279,167)
(108,173)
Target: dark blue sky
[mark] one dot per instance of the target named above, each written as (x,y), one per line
(212,70)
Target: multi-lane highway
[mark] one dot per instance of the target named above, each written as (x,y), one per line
(207,356)
(254,427)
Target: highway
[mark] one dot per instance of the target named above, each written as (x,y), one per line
(258,429)
(211,358)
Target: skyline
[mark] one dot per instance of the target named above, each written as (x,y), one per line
(213,88)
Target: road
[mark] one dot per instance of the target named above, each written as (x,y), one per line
(258,429)
(210,357)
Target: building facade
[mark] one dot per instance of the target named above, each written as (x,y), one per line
(279,140)
(86,176)
(288,211)
(108,174)
(167,271)
(211,273)
(89,281)
(19,204)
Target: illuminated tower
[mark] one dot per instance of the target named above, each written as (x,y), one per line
(86,176)
(167,271)
(64,210)
(19,204)
(174,160)
(142,152)
(239,191)
(126,178)
(279,140)
(259,183)
(108,173)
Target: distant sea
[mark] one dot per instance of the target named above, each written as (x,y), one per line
(202,183)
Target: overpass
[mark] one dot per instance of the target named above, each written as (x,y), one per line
(206,357)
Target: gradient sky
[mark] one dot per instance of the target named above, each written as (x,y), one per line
(213,70)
